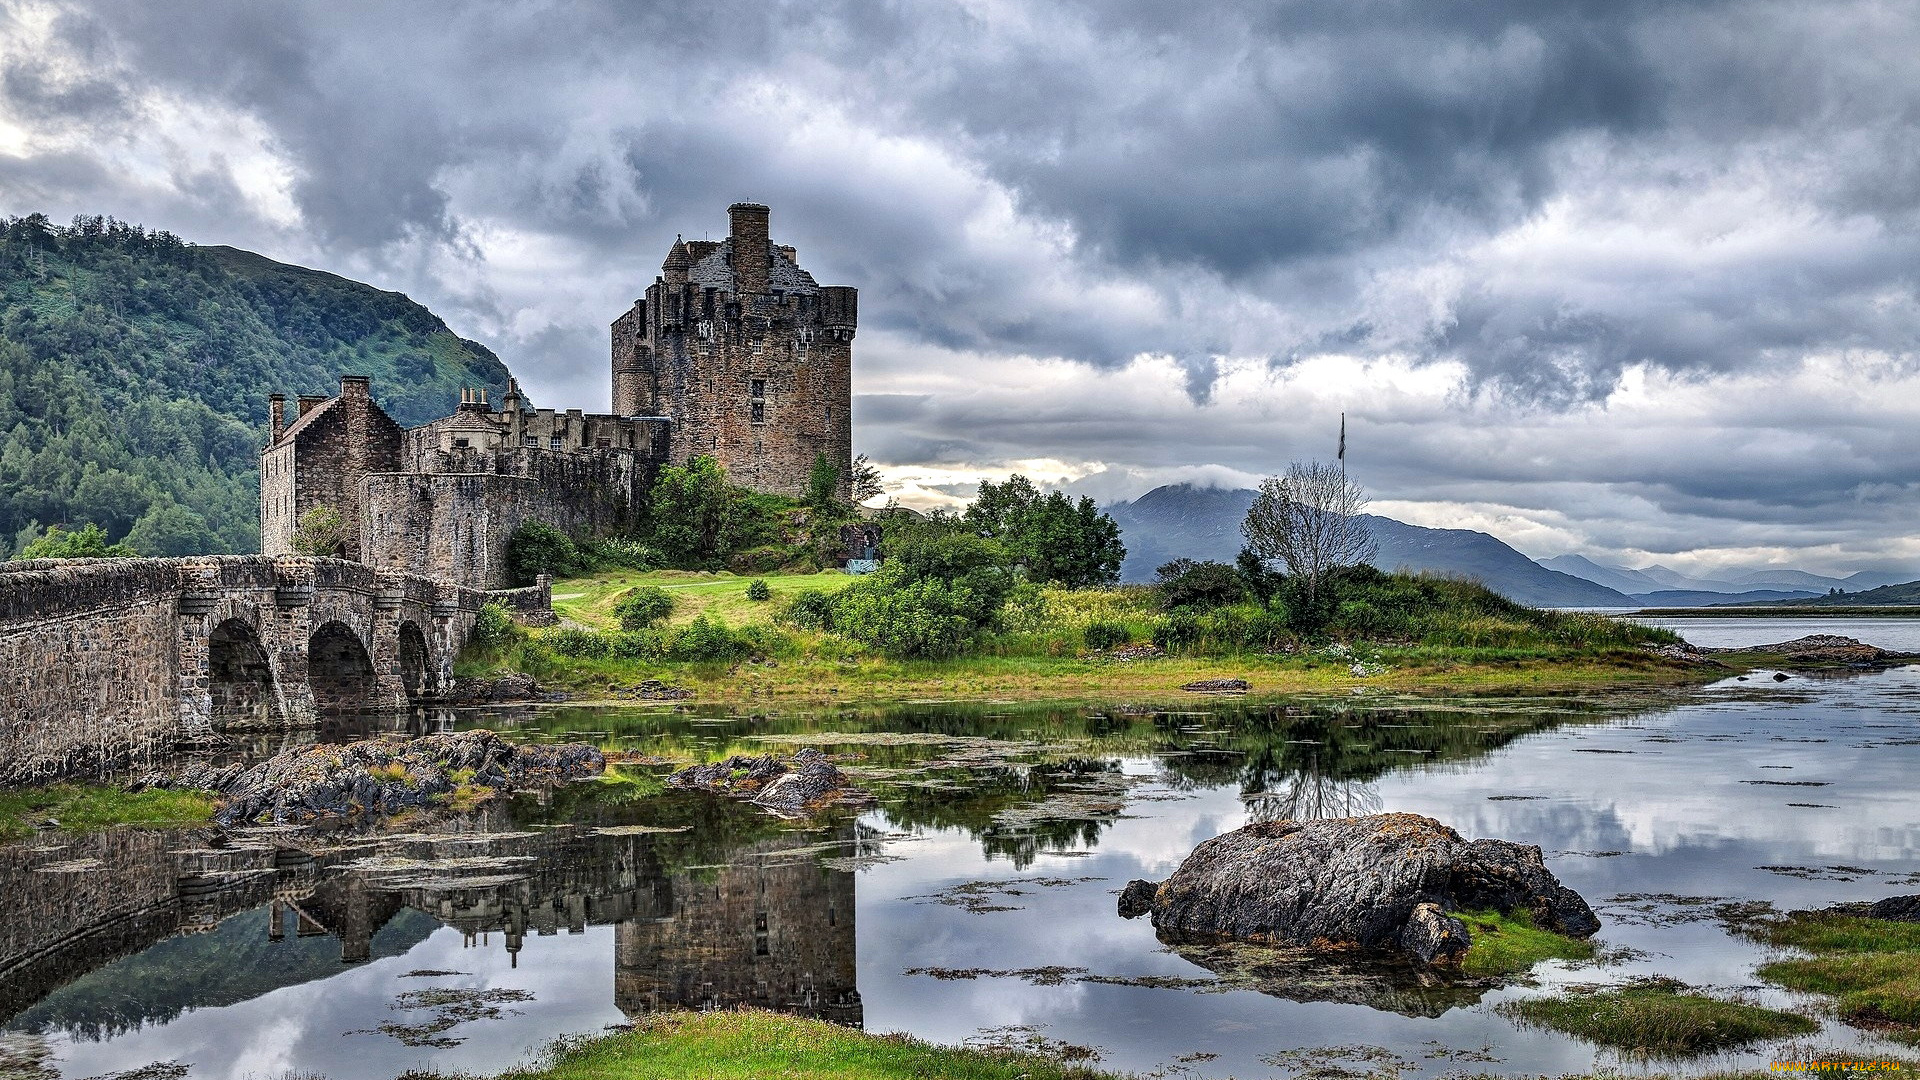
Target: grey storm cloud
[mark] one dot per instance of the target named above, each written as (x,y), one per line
(1543,197)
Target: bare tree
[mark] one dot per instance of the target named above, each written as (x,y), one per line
(1309,522)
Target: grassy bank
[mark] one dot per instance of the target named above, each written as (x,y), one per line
(1658,1018)
(84,806)
(1511,944)
(753,1045)
(1870,967)
(726,646)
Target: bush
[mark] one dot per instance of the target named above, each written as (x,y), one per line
(810,609)
(1102,636)
(1197,585)
(757,590)
(494,627)
(578,643)
(320,532)
(644,606)
(1179,631)
(929,618)
(706,641)
(617,552)
(86,542)
(538,548)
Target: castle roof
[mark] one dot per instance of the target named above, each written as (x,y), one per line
(307,421)
(712,270)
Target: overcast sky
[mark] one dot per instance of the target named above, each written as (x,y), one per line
(1634,279)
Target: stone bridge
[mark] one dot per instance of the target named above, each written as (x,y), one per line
(103,661)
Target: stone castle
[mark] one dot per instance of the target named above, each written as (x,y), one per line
(735,352)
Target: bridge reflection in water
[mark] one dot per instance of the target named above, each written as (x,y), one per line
(759,923)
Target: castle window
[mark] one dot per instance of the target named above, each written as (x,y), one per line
(759,388)
(553,442)
(530,440)
(461,444)
(759,412)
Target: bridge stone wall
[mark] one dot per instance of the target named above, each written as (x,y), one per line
(106,661)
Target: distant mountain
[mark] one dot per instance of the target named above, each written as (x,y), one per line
(1732,582)
(1693,598)
(135,369)
(1619,578)
(1204,523)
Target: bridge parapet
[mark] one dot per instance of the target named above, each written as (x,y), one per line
(107,660)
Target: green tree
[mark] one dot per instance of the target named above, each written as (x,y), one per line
(537,548)
(86,542)
(823,483)
(940,589)
(695,514)
(1059,541)
(1200,585)
(321,532)
(170,530)
(866,479)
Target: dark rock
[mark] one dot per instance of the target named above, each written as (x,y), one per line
(1137,898)
(1434,936)
(655,690)
(497,689)
(379,776)
(1218,686)
(809,782)
(1896,908)
(1358,882)
(1779,676)
(1828,649)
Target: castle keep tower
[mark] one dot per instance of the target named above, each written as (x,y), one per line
(748,357)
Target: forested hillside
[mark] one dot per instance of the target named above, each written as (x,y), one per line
(135,369)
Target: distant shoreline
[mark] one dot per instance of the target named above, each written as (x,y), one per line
(1736,611)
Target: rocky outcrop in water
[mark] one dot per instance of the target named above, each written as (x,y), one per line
(809,782)
(1895,908)
(1384,882)
(380,776)
(1829,649)
(497,689)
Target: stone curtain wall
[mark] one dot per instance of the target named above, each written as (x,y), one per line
(456,526)
(108,661)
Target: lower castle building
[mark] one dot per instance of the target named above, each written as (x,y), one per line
(735,352)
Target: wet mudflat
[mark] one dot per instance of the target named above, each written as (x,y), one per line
(976,901)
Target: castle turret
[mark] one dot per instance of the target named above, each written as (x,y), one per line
(674,270)
(752,254)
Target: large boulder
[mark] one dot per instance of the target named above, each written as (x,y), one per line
(1384,881)
(386,776)
(809,782)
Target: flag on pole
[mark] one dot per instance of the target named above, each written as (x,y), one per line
(1343,437)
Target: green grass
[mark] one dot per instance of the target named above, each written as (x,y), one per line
(589,600)
(1658,1018)
(1871,967)
(753,1045)
(1511,944)
(85,806)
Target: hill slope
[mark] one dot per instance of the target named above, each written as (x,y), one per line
(1906,594)
(1204,523)
(135,368)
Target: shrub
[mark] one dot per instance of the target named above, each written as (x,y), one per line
(621,552)
(320,532)
(1026,610)
(1102,636)
(706,641)
(1198,585)
(643,606)
(810,609)
(1179,631)
(494,628)
(538,548)
(578,643)
(929,618)
(757,590)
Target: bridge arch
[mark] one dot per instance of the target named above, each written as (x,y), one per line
(417,671)
(240,680)
(340,671)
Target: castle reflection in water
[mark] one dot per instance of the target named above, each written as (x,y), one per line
(758,923)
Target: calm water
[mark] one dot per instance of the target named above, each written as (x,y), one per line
(1898,635)
(1002,838)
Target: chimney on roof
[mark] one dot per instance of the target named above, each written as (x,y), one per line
(276,416)
(752,257)
(355,386)
(310,402)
